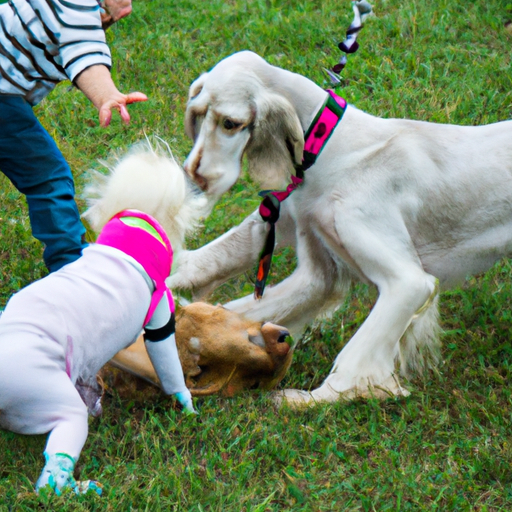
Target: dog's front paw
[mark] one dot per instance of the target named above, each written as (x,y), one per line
(294,398)
(57,473)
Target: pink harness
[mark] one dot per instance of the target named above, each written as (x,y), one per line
(145,248)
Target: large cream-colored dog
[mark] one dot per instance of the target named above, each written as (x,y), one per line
(392,202)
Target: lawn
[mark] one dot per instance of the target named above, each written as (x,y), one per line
(446,447)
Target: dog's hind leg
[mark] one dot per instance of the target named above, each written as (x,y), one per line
(379,246)
(65,414)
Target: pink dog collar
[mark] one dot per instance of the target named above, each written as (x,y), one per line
(322,127)
(146,242)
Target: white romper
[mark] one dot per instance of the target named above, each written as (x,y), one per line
(59,331)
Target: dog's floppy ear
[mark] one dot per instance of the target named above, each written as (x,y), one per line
(197,86)
(195,90)
(277,141)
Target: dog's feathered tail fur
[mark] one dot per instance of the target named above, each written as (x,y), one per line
(149,179)
(420,347)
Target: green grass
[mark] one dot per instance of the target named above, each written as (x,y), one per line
(446,447)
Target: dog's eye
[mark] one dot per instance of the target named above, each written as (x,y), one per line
(229,124)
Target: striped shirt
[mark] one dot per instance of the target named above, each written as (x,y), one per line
(43,42)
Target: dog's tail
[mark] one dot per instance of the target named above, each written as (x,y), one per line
(149,179)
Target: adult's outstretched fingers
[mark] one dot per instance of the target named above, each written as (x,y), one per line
(123,111)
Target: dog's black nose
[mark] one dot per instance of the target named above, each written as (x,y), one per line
(282,336)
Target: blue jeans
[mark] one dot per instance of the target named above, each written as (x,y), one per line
(32,161)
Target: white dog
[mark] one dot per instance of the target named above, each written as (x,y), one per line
(397,203)
(57,333)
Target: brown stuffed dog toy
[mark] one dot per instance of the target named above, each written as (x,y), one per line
(220,351)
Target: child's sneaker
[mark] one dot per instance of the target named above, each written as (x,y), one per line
(58,474)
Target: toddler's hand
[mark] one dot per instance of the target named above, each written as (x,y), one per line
(185,399)
(114,10)
(96,83)
(119,102)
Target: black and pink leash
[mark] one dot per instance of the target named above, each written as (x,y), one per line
(317,135)
(322,127)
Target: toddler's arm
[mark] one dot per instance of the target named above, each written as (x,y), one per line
(97,84)
(161,346)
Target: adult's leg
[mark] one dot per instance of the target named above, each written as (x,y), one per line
(32,161)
